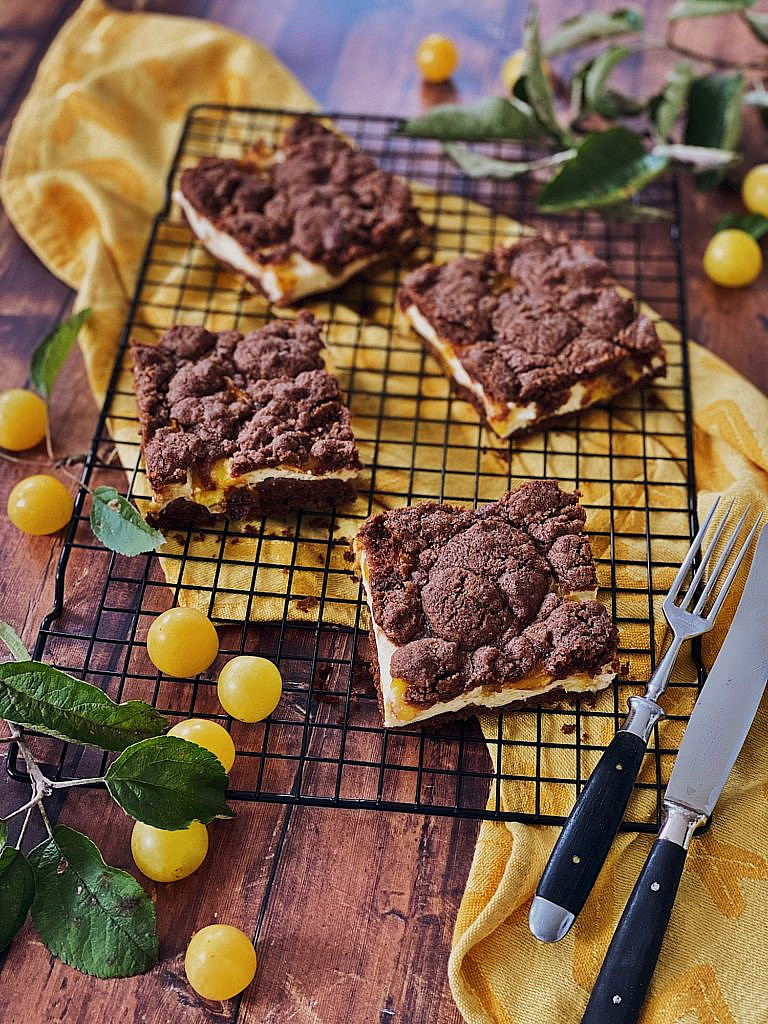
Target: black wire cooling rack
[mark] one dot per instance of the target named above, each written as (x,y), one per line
(324,744)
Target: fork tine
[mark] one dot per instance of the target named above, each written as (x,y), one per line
(733,570)
(692,551)
(718,568)
(699,574)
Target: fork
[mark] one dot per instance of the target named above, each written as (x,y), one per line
(587,835)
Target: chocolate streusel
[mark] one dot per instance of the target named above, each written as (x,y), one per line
(482,598)
(258,401)
(322,198)
(533,318)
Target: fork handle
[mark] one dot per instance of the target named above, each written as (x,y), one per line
(586,838)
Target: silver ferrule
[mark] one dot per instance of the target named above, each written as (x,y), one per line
(679,824)
(643,714)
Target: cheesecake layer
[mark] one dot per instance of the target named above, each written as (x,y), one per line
(211,490)
(301,218)
(533,331)
(242,425)
(507,418)
(283,281)
(484,608)
(221,492)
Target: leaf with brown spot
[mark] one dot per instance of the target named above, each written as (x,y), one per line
(92,916)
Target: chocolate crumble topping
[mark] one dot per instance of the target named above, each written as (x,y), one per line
(532,318)
(262,400)
(485,597)
(322,198)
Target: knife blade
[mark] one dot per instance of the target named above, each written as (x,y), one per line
(715,734)
(729,700)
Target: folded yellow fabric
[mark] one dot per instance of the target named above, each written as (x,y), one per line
(84,172)
(714,961)
(88,154)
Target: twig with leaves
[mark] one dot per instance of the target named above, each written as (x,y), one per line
(115,522)
(694,120)
(92,916)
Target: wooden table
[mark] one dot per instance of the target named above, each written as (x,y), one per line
(354,909)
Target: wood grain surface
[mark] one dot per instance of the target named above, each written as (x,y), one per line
(353,911)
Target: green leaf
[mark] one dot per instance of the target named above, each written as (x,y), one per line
(17,890)
(609,168)
(168,782)
(13,642)
(668,105)
(578,99)
(597,73)
(614,104)
(635,212)
(3,835)
(754,224)
(703,158)
(92,916)
(49,355)
(714,117)
(41,697)
(479,165)
(535,81)
(588,28)
(705,8)
(493,118)
(119,525)
(519,92)
(590,92)
(758,22)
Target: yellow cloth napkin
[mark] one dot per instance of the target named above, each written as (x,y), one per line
(87,156)
(84,172)
(714,962)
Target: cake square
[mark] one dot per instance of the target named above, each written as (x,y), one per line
(301,218)
(242,425)
(486,608)
(532,331)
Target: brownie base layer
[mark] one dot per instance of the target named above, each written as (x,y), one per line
(548,699)
(263,499)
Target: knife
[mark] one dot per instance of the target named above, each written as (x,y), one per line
(716,731)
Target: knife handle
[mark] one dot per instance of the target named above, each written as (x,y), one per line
(586,838)
(631,958)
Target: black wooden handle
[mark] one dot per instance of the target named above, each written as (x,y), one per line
(583,845)
(631,958)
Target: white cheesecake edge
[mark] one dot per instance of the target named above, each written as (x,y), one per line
(283,281)
(577,683)
(509,418)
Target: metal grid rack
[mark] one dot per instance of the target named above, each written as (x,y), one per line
(324,744)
